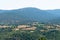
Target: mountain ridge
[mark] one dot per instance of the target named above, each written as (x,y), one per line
(25,15)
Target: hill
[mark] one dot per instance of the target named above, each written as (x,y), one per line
(25,15)
(57,15)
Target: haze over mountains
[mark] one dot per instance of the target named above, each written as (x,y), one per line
(26,15)
(57,14)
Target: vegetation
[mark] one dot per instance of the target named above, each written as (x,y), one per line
(20,35)
(40,33)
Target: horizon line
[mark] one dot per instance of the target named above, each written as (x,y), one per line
(28,7)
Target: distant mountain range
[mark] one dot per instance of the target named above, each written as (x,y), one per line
(57,14)
(30,14)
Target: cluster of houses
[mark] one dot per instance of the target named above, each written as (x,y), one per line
(29,27)
(25,27)
(4,26)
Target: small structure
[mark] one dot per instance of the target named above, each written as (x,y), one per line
(3,26)
(23,26)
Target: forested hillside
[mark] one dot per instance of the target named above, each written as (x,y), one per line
(25,15)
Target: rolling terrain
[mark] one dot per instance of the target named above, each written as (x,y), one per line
(26,15)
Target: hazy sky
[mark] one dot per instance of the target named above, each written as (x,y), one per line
(41,4)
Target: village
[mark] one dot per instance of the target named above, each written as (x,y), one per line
(34,26)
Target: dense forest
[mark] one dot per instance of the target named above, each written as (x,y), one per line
(40,33)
